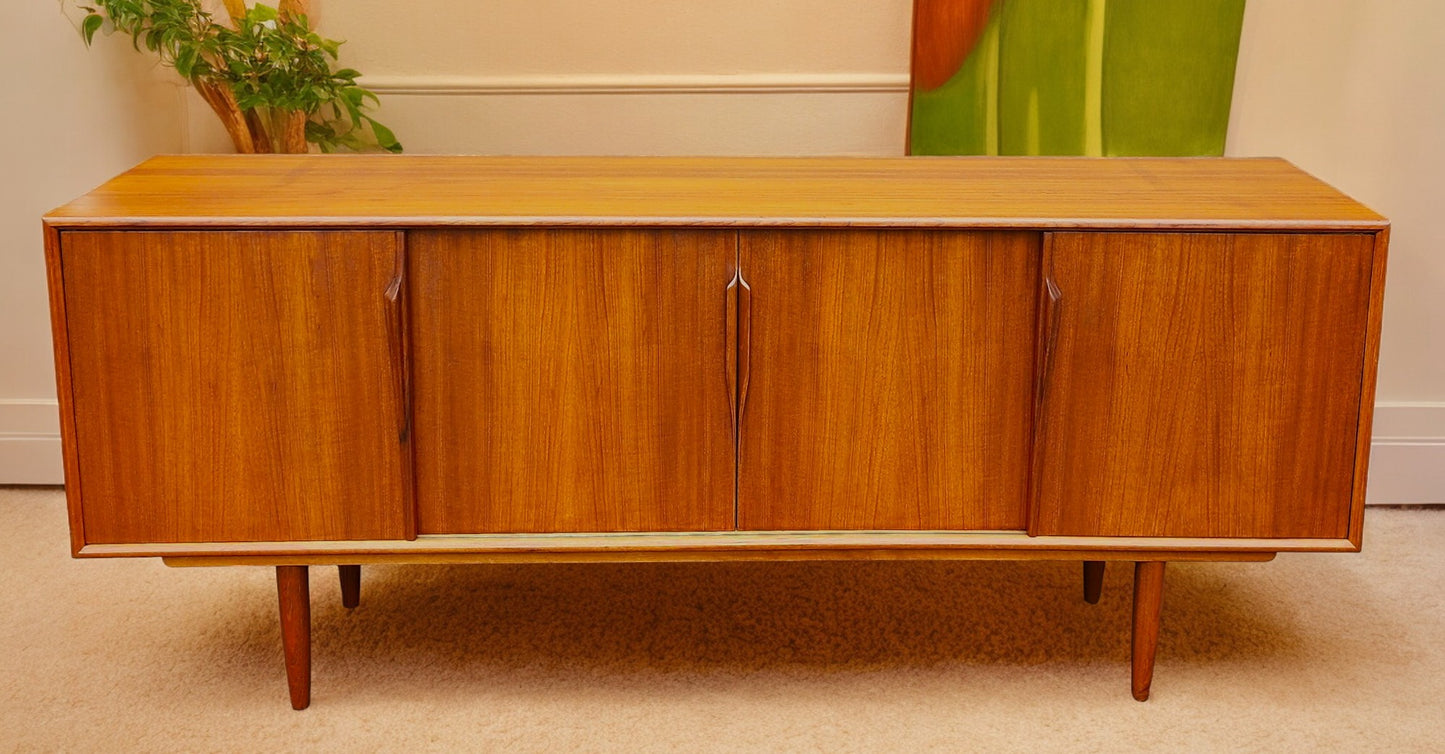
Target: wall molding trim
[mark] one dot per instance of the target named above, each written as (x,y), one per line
(1407,454)
(741,83)
(853,113)
(30,441)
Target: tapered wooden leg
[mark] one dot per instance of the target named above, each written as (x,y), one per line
(1148,599)
(350,585)
(295,593)
(1093,580)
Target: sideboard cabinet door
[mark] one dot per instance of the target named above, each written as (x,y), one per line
(572,379)
(886,379)
(236,385)
(1200,385)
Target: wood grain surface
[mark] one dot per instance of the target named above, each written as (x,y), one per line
(55,285)
(1013,192)
(572,380)
(1367,385)
(1202,385)
(873,357)
(890,375)
(233,386)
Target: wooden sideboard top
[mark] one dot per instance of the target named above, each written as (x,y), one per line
(981,192)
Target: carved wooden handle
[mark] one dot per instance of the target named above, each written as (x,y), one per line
(739,336)
(730,317)
(1053,305)
(745,342)
(395,335)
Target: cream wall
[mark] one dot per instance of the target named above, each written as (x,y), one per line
(1354,92)
(71,118)
(641,77)
(570,37)
(1351,90)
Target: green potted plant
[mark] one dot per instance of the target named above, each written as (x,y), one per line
(263,71)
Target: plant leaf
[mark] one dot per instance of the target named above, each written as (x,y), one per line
(262,13)
(271,62)
(186,61)
(90,26)
(384,137)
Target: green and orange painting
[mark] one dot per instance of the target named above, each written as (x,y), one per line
(1073,77)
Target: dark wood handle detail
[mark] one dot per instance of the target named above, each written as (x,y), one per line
(400,342)
(731,367)
(1051,306)
(739,337)
(745,340)
(395,334)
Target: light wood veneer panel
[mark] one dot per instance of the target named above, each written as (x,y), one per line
(237,386)
(890,379)
(1201,385)
(978,192)
(572,380)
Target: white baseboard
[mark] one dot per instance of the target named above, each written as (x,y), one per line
(1407,454)
(30,442)
(733,83)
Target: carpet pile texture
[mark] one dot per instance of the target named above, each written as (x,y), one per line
(1306,653)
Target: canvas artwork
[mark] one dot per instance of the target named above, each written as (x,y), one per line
(1073,77)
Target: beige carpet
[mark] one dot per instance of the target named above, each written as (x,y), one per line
(1307,653)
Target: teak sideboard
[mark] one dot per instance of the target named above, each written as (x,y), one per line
(296,361)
